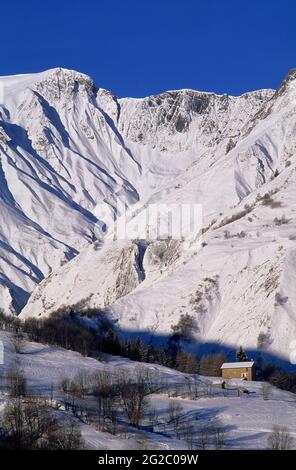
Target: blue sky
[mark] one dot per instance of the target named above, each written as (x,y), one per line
(141,47)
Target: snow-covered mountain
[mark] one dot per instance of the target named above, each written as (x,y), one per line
(66,146)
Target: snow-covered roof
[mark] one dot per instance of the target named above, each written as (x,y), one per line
(237,365)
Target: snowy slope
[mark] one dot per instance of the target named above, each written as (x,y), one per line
(247,420)
(67,146)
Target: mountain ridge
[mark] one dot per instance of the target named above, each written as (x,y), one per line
(67,146)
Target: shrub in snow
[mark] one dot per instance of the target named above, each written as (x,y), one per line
(31,424)
(281,221)
(262,340)
(280,299)
(280,439)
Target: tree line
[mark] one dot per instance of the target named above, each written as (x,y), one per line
(68,329)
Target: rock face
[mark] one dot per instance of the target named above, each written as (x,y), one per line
(186,119)
(66,146)
(115,272)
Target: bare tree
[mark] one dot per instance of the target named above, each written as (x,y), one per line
(203,439)
(218,434)
(105,389)
(133,396)
(79,385)
(175,414)
(113,418)
(26,422)
(187,363)
(266,390)
(133,392)
(12,424)
(16,381)
(211,364)
(152,414)
(280,439)
(74,390)
(189,435)
(18,341)
(207,388)
(195,389)
(65,387)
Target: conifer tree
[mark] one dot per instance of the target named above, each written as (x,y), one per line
(241,355)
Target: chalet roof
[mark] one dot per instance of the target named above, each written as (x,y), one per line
(237,365)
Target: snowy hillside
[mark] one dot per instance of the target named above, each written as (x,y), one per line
(67,146)
(246,420)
